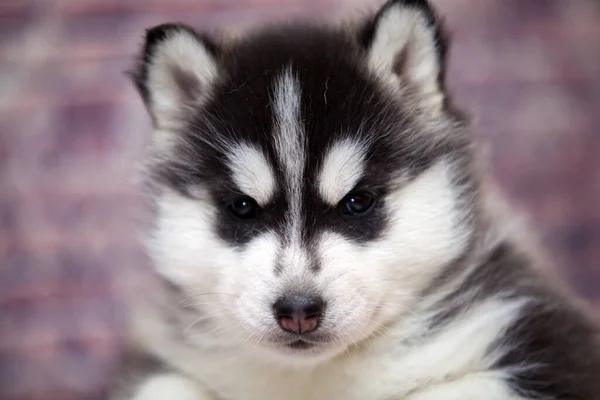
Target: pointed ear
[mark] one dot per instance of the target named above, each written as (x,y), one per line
(406,48)
(175,72)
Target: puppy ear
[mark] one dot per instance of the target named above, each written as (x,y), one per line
(406,48)
(175,72)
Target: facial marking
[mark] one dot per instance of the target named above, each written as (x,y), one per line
(290,146)
(341,170)
(252,173)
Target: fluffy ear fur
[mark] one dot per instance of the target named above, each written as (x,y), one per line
(176,71)
(406,48)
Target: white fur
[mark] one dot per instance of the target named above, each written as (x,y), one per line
(453,362)
(381,280)
(180,50)
(187,251)
(183,242)
(484,385)
(252,172)
(404,29)
(289,137)
(373,310)
(169,386)
(290,147)
(380,346)
(342,168)
(364,286)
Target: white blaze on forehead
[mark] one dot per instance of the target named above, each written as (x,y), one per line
(252,172)
(289,143)
(341,170)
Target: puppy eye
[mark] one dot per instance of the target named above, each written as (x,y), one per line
(357,203)
(243,208)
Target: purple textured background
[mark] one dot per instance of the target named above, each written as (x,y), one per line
(72,127)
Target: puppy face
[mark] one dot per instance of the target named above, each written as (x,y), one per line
(309,181)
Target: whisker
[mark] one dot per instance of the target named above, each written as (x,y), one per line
(187,302)
(213,294)
(219,333)
(196,321)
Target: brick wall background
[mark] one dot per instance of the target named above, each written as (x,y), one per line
(72,127)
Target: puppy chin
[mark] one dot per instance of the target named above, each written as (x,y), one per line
(309,350)
(298,355)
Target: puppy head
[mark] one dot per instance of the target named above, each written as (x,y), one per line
(310,181)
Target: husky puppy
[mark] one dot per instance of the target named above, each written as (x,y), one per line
(322,229)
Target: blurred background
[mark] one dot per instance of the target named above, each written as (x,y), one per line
(72,128)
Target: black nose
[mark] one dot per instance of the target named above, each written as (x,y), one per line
(299,314)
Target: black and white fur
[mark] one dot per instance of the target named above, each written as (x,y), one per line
(429,295)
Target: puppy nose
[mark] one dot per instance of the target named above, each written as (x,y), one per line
(299,314)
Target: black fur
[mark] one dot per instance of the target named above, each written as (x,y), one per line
(554,351)
(325,63)
(340,99)
(564,347)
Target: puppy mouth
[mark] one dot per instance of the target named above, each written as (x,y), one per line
(300,345)
(308,343)
(303,341)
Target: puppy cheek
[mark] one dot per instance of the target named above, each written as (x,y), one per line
(252,282)
(350,284)
(182,244)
